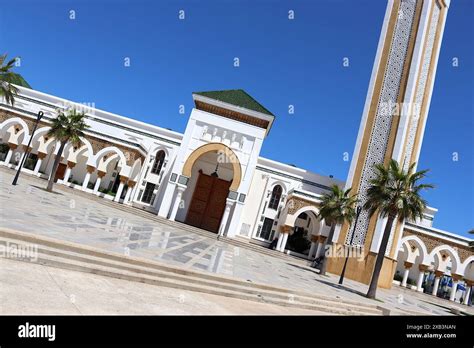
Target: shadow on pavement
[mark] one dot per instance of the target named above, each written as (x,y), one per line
(44,189)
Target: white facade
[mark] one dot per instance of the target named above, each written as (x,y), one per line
(138,164)
(156,189)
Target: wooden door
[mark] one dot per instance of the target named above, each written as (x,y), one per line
(60,172)
(198,205)
(215,205)
(208,202)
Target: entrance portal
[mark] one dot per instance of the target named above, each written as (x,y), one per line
(208,202)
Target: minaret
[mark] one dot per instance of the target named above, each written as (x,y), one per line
(393,120)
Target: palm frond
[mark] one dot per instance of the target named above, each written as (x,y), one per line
(338,206)
(7,90)
(395,192)
(68,127)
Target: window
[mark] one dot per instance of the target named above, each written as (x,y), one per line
(148,194)
(158,164)
(264,233)
(275,198)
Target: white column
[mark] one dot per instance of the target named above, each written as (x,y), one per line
(9,156)
(280,240)
(435,286)
(225,217)
(419,283)
(467,294)
(320,249)
(177,201)
(67,175)
(283,243)
(37,166)
(86,181)
(235,220)
(97,184)
(90,170)
(166,202)
(133,197)
(119,191)
(453,290)
(312,250)
(405,277)
(127,195)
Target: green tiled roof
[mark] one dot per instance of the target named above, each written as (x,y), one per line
(237,97)
(17,79)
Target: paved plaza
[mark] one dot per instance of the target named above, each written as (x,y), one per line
(66,216)
(48,290)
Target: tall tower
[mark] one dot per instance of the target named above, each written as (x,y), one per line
(393,121)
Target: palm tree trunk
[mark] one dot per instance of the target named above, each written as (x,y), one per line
(380,257)
(57,159)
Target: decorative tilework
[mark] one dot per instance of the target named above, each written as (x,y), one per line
(386,105)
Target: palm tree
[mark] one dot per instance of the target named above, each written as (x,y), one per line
(337,207)
(7,77)
(394,194)
(66,128)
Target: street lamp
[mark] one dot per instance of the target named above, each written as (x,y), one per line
(358,210)
(38,118)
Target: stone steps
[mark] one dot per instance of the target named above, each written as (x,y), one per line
(82,258)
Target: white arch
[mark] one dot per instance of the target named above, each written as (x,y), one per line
(424,255)
(95,159)
(465,264)
(40,132)
(159,148)
(16,120)
(282,184)
(86,145)
(455,261)
(111,158)
(404,249)
(291,219)
(135,170)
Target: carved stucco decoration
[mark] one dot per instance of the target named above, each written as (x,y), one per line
(130,154)
(5,115)
(433,242)
(296,203)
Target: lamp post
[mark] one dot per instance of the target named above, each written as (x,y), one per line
(358,210)
(38,118)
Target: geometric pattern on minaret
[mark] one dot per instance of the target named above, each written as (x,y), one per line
(386,106)
(397,103)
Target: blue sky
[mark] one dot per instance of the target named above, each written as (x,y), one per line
(282,62)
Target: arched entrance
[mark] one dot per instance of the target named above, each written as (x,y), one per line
(211,188)
(301,230)
(213,170)
(306,225)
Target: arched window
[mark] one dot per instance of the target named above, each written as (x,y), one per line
(275,198)
(158,164)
